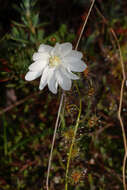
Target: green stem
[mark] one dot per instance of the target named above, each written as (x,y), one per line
(72,144)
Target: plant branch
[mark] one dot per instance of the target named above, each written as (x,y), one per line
(120,108)
(53,141)
(83,27)
(17,103)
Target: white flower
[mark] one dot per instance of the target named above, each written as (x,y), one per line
(54,65)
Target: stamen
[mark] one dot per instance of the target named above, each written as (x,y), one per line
(54,61)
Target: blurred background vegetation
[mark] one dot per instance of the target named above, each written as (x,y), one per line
(27,116)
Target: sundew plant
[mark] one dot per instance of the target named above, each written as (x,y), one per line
(63,95)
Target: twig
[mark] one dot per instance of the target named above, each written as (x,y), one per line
(53,141)
(17,103)
(83,27)
(99,131)
(121,99)
(120,108)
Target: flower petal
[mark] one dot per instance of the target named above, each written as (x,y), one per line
(56,50)
(56,74)
(70,75)
(45,48)
(43,56)
(52,82)
(38,65)
(32,75)
(44,78)
(74,64)
(62,49)
(56,84)
(75,54)
(65,48)
(62,80)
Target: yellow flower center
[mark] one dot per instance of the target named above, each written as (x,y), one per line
(54,61)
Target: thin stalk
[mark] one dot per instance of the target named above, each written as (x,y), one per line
(120,108)
(72,144)
(121,99)
(83,27)
(79,114)
(53,141)
(58,116)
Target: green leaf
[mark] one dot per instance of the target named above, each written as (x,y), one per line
(20,40)
(32,38)
(63,30)
(43,24)
(70,37)
(18,24)
(40,34)
(15,32)
(24,20)
(35,20)
(10,85)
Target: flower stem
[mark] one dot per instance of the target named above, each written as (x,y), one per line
(93,1)
(53,141)
(72,144)
(79,114)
